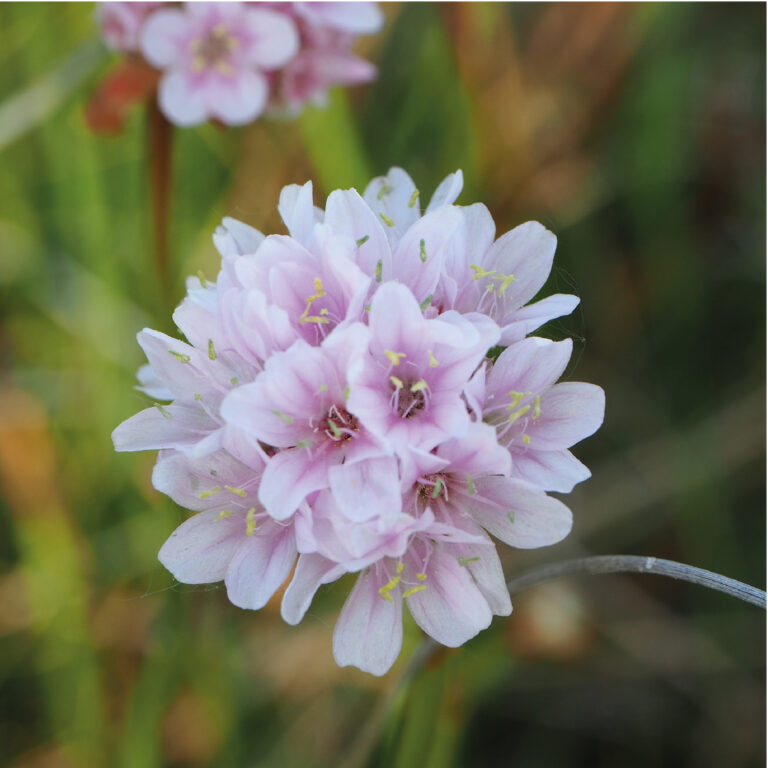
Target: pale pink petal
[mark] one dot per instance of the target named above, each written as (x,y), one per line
(163,37)
(312,571)
(234,238)
(367,489)
(346,213)
(551,470)
(167,426)
(240,100)
(570,411)
(532,316)
(451,609)
(199,550)
(181,100)
(417,260)
(273,37)
(394,199)
(526,252)
(476,454)
(298,212)
(152,385)
(260,566)
(356,18)
(289,477)
(531,365)
(369,631)
(518,513)
(447,192)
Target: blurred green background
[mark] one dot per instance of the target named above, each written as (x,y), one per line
(636,132)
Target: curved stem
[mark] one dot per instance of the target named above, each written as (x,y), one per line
(638,564)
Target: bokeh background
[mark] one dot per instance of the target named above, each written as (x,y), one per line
(636,132)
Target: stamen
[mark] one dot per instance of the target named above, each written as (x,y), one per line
(210,492)
(471,485)
(414,590)
(387,220)
(433,363)
(319,293)
(413,198)
(304,444)
(425,304)
(388,587)
(438,487)
(511,515)
(211,350)
(201,278)
(421,576)
(334,429)
(527,438)
(513,417)
(537,407)
(250,521)
(166,414)
(397,382)
(364,239)
(237,491)
(422,251)
(480,273)
(394,357)
(224,513)
(419,386)
(385,190)
(464,561)
(322,388)
(180,356)
(400,567)
(284,417)
(234,381)
(378,271)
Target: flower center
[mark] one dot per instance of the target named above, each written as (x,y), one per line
(212,51)
(340,424)
(408,400)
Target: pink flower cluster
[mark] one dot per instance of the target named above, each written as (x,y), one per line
(230,61)
(335,402)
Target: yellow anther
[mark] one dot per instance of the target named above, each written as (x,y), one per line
(379,267)
(237,491)
(506,281)
(513,417)
(234,381)
(471,484)
(250,521)
(304,444)
(397,382)
(511,515)
(480,273)
(385,190)
(322,388)
(537,407)
(388,587)
(201,278)
(211,350)
(345,393)
(425,304)
(433,363)
(166,414)
(387,220)
(284,417)
(465,561)
(419,385)
(516,398)
(180,356)
(414,590)
(438,487)
(421,576)
(210,492)
(423,251)
(394,357)
(527,439)
(324,311)
(413,198)
(319,293)
(334,427)
(363,240)
(198,397)
(400,567)
(224,513)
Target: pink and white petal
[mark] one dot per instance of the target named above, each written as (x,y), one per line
(447,191)
(234,238)
(367,489)
(175,426)
(151,384)
(163,37)
(451,609)
(289,477)
(181,100)
(531,365)
(369,631)
(556,471)
(273,37)
(346,213)
(298,212)
(570,411)
(417,260)
(476,454)
(519,514)
(312,571)
(260,566)
(359,18)
(239,99)
(526,252)
(394,198)
(396,321)
(199,551)
(533,316)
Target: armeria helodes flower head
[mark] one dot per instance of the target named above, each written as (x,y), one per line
(229,61)
(340,406)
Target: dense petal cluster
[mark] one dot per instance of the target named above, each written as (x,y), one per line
(231,61)
(336,409)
